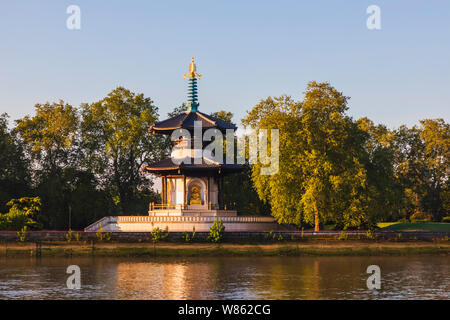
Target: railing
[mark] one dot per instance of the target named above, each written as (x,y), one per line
(132,219)
(166,206)
(155,206)
(102,223)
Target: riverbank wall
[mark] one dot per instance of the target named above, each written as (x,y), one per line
(52,235)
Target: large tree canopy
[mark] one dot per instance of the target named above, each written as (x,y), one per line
(321,176)
(117,143)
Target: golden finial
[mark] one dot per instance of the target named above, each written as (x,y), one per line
(192,71)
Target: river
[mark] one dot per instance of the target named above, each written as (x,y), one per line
(406,277)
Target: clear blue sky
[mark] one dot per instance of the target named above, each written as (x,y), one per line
(246,50)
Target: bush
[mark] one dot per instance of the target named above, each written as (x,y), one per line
(158,234)
(446,219)
(216,231)
(23,213)
(189,237)
(103,235)
(343,235)
(22,235)
(370,235)
(420,216)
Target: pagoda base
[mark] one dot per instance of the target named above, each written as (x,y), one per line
(184,223)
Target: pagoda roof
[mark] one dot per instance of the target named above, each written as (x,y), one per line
(186,121)
(167,166)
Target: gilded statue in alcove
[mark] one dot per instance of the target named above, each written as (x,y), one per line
(194,195)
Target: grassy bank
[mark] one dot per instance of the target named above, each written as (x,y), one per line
(319,248)
(416,226)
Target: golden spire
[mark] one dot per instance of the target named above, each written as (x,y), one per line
(192,71)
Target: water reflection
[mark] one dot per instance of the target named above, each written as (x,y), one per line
(424,277)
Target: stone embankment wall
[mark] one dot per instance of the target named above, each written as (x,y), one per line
(230,236)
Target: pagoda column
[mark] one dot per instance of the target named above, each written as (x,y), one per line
(207,193)
(184,192)
(164,190)
(220,190)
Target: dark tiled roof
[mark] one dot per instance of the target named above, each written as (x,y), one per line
(168,165)
(186,121)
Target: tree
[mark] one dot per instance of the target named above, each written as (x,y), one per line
(50,134)
(51,141)
(223,115)
(177,110)
(321,177)
(24,213)
(436,136)
(384,191)
(114,133)
(14,172)
(421,167)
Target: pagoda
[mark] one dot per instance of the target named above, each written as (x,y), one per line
(188,186)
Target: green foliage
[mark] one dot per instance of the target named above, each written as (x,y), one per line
(159,235)
(22,235)
(216,231)
(15,174)
(223,115)
(421,167)
(70,235)
(321,174)
(270,236)
(51,133)
(189,237)
(23,212)
(115,135)
(370,235)
(343,235)
(101,235)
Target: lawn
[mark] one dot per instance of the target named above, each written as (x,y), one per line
(423,226)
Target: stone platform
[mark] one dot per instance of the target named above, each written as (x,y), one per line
(177,223)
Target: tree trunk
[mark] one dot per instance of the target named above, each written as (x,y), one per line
(316,219)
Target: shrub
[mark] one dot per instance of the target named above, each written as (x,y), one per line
(189,237)
(158,234)
(343,235)
(22,235)
(216,231)
(69,235)
(99,233)
(103,235)
(370,235)
(23,213)
(446,219)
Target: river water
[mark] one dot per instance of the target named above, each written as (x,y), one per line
(407,277)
